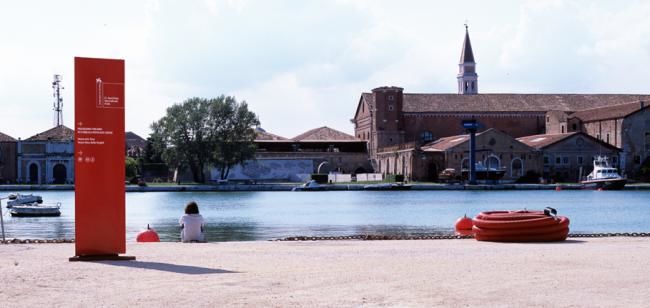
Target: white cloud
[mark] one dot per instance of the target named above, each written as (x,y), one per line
(303,64)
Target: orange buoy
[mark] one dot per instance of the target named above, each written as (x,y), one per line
(464,223)
(521,226)
(148,235)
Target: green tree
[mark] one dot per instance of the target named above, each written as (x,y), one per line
(232,132)
(201,132)
(131,167)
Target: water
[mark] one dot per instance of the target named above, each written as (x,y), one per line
(247,216)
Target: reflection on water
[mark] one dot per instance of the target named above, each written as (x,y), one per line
(246,216)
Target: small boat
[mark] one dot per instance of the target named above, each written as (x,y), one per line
(312,185)
(20,199)
(35,210)
(387,186)
(604,176)
(485,173)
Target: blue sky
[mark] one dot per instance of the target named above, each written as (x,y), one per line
(303,64)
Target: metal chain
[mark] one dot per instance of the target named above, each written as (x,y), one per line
(440,237)
(363,237)
(37,241)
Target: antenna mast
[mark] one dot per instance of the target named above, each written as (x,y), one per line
(58,100)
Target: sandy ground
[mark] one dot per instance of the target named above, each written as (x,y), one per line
(602,272)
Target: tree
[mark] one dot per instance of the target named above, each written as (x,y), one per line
(201,132)
(232,133)
(131,167)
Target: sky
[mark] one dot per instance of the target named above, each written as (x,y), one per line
(303,64)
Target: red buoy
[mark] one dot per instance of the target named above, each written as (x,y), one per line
(558,188)
(148,235)
(464,223)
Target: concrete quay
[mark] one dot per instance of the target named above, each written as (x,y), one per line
(328,187)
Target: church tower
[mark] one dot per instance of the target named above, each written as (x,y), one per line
(467,77)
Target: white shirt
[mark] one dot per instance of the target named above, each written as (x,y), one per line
(192,228)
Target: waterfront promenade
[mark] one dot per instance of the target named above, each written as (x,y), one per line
(594,272)
(334,187)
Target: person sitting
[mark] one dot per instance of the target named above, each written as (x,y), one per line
(192,224)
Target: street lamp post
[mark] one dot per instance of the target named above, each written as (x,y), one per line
(471,126)
(2,222)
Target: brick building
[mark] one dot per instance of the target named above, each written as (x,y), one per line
(7,159)
(569,156)
(625,126)
(391,120)
(47,157)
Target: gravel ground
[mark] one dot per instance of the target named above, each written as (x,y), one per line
(591,272)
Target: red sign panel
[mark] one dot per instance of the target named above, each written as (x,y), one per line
(100,225)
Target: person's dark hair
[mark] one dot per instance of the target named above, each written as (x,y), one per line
(192,208)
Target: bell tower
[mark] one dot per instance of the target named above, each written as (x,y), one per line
(467,77)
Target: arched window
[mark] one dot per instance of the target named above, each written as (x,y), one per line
(426,136)
(33,173)
(492,162)
(464,164)
(516,168)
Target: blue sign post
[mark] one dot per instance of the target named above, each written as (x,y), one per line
(472,127)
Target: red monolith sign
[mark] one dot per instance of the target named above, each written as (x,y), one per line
(100,225)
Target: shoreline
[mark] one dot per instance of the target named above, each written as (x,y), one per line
(577,273)
(329,187)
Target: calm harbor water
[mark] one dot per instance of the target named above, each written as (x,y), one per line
(247,216)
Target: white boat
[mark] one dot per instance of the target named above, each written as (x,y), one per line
(484,172)
(312,185)
(35,210)
(604,176)
(20,199)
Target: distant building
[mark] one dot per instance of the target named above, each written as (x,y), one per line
(625,126)
(391,120)
(47,157)
(321,150)
(7,159)
(494,149)
(568,157)
(134,145)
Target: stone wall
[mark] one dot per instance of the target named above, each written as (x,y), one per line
(7,162)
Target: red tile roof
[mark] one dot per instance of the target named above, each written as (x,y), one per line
(512,102)
(6,138)
(544,140)
(610,112)
(58,133)
(445,143)
(417,102)
(324,134)
(132,139)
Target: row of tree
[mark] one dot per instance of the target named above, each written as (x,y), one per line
(200,132)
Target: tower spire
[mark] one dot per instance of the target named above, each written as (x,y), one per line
(467,77)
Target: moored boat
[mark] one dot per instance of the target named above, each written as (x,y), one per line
(484,172)
(35,210)
(20,199)
(312,185)
(604,176)
(387,186)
